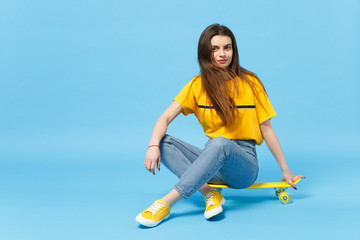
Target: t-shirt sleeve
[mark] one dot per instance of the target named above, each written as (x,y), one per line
(264,109)
(186,98)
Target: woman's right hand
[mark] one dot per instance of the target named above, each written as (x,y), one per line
(152,159)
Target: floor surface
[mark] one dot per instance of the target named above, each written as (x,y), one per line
(93,197)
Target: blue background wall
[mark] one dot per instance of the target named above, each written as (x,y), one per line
(83,82)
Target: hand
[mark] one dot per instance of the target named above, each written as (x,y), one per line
(289,177)
(152,158)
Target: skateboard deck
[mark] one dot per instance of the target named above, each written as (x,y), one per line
(280,189)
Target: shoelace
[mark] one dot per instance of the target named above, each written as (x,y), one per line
(156,206)
(209,199)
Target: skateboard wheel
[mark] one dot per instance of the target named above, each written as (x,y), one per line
(284,198)
(278,191)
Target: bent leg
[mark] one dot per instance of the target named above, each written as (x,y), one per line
(235,164)
(177,155)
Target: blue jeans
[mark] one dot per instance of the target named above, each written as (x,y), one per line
(222,161)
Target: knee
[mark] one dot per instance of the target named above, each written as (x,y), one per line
(166,139)
(219,141)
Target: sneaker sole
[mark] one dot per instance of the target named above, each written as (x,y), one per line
(149,223)
(215,211)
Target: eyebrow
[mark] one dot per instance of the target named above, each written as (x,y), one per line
(224,45)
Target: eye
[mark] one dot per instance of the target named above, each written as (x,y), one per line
(228,47)
(214,49)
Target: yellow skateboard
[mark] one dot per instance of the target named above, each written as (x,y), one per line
(279,187)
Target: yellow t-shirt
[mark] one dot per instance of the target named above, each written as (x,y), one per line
(250,113)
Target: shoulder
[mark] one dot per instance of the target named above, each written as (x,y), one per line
(196,80)
(195,83)
(255,81)
(253,78)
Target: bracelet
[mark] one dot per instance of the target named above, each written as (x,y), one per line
(153,146)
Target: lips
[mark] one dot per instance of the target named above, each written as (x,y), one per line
(221,61)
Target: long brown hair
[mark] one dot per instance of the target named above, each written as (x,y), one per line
(213,77)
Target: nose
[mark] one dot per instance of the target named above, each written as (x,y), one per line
(222,52)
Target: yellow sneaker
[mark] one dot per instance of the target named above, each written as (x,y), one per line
(214,202)
(152,216)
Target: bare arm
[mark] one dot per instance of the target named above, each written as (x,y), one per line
(274,145)
(152,157)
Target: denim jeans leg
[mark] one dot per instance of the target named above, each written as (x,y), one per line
(241,169)
(236,166)
(177,155)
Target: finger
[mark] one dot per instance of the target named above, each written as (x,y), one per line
(153,167)
(158,164)
(297,177)
(291,183)
(148,167)
(147,163)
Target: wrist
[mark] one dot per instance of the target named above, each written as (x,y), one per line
(153,145)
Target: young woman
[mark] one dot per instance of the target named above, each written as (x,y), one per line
(232,106)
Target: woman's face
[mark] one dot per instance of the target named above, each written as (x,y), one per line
(222,49)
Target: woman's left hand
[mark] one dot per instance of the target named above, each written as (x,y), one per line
(289,177)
